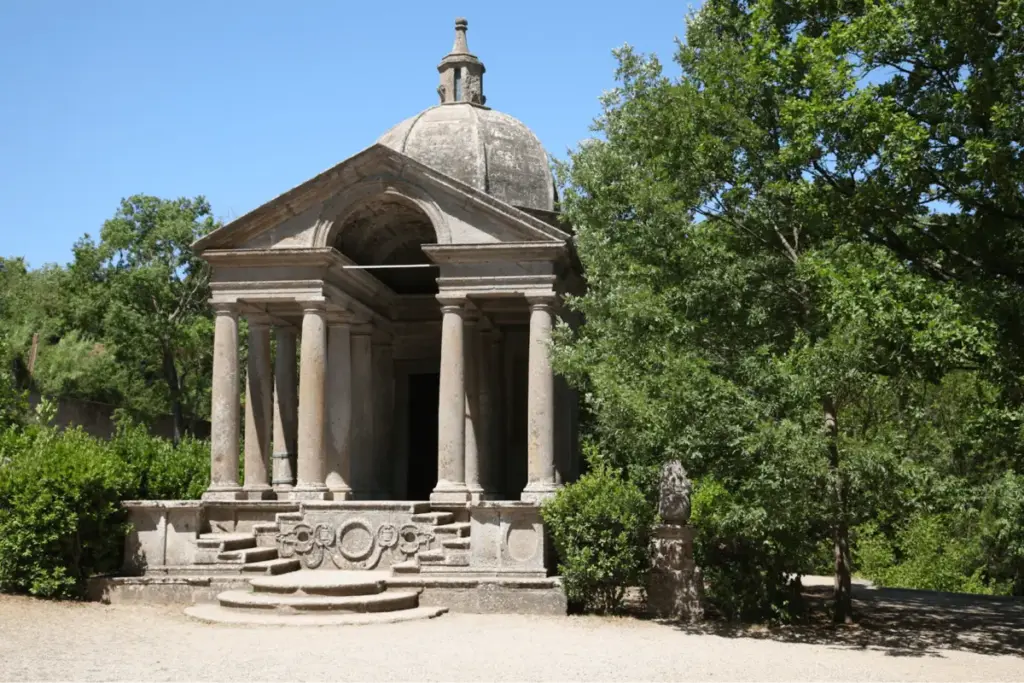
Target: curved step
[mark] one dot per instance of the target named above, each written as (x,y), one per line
(223,615)
(388,601)
(323,582)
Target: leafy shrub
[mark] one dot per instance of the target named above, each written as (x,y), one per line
(747,563)
(600,526)
(1002,532)
(938,552)
(60,521)
(161,471)
(60,493)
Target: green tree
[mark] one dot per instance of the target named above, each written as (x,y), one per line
(742,309)
(150,293)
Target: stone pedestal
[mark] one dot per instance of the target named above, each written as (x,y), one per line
(674,586)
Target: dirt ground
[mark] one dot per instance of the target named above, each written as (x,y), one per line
(901,636)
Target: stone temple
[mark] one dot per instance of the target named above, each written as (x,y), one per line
(400,413)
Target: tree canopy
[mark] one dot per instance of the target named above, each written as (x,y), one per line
(127,321)
(801,254)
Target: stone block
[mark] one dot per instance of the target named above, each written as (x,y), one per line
(163,532)
(507,536)
(675,587)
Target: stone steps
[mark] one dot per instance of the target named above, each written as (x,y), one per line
(248,555)
(434,518)
(273,567)
(385,601)
(407,567)
(316,597)
(459,529)
(223,541)
(224,615)
(323,582)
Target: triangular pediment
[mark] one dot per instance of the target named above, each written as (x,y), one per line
(303,216)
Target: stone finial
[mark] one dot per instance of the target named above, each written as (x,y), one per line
(462,74)
(675,489)
(460,47)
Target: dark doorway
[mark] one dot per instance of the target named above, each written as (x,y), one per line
(423,396)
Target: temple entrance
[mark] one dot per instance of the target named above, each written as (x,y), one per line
(422,425)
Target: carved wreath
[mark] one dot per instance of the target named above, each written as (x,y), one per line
(312,543)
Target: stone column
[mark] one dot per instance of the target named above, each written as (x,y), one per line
(312,408)
(286,410)
(540,407)
(383,364)
(475,443)
(487,391)
(258,411)
(451,408)
(339,407)
(361,462)
(224,427)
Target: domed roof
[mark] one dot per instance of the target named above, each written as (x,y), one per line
(491,151)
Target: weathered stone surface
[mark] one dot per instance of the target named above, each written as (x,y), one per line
(674,586)
(675,491)
(484,148)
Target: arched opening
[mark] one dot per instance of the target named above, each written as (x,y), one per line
(387,231)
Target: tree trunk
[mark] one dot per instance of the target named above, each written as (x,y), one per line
(174,385)
(842,587)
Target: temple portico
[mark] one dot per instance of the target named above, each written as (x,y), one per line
(321,411)
(383,396)
(430,263)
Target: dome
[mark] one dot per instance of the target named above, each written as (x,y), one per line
(460,137)
(491,151)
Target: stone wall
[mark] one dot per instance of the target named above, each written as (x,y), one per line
(97,419)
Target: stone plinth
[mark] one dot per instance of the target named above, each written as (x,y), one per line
(674,586)
(507,537)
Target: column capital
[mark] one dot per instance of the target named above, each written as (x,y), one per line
(258,320)
(542,302)
(229,308)
(314,307)
(452,303)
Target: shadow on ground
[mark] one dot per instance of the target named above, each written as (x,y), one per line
(902,623)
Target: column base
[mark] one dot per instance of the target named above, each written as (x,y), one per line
(224,493)
(341,494)
(308,493)
(450,493)
(259,493)
(538,493)
(477,495)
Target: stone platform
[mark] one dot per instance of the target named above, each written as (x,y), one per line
(487,556)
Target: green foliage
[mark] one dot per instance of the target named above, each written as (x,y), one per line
(161,470)
(1002,532)
(60,494)
(747,558)
(60,520)
(789,291)
(13,402)
(127,321)
(600,526)
(933,552)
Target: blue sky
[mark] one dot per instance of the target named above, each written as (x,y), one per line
(242,100)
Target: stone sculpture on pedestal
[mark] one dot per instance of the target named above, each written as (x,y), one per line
(674,586)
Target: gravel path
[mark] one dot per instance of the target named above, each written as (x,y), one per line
(54,641)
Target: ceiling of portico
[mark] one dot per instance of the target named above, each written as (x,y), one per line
(386,231)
